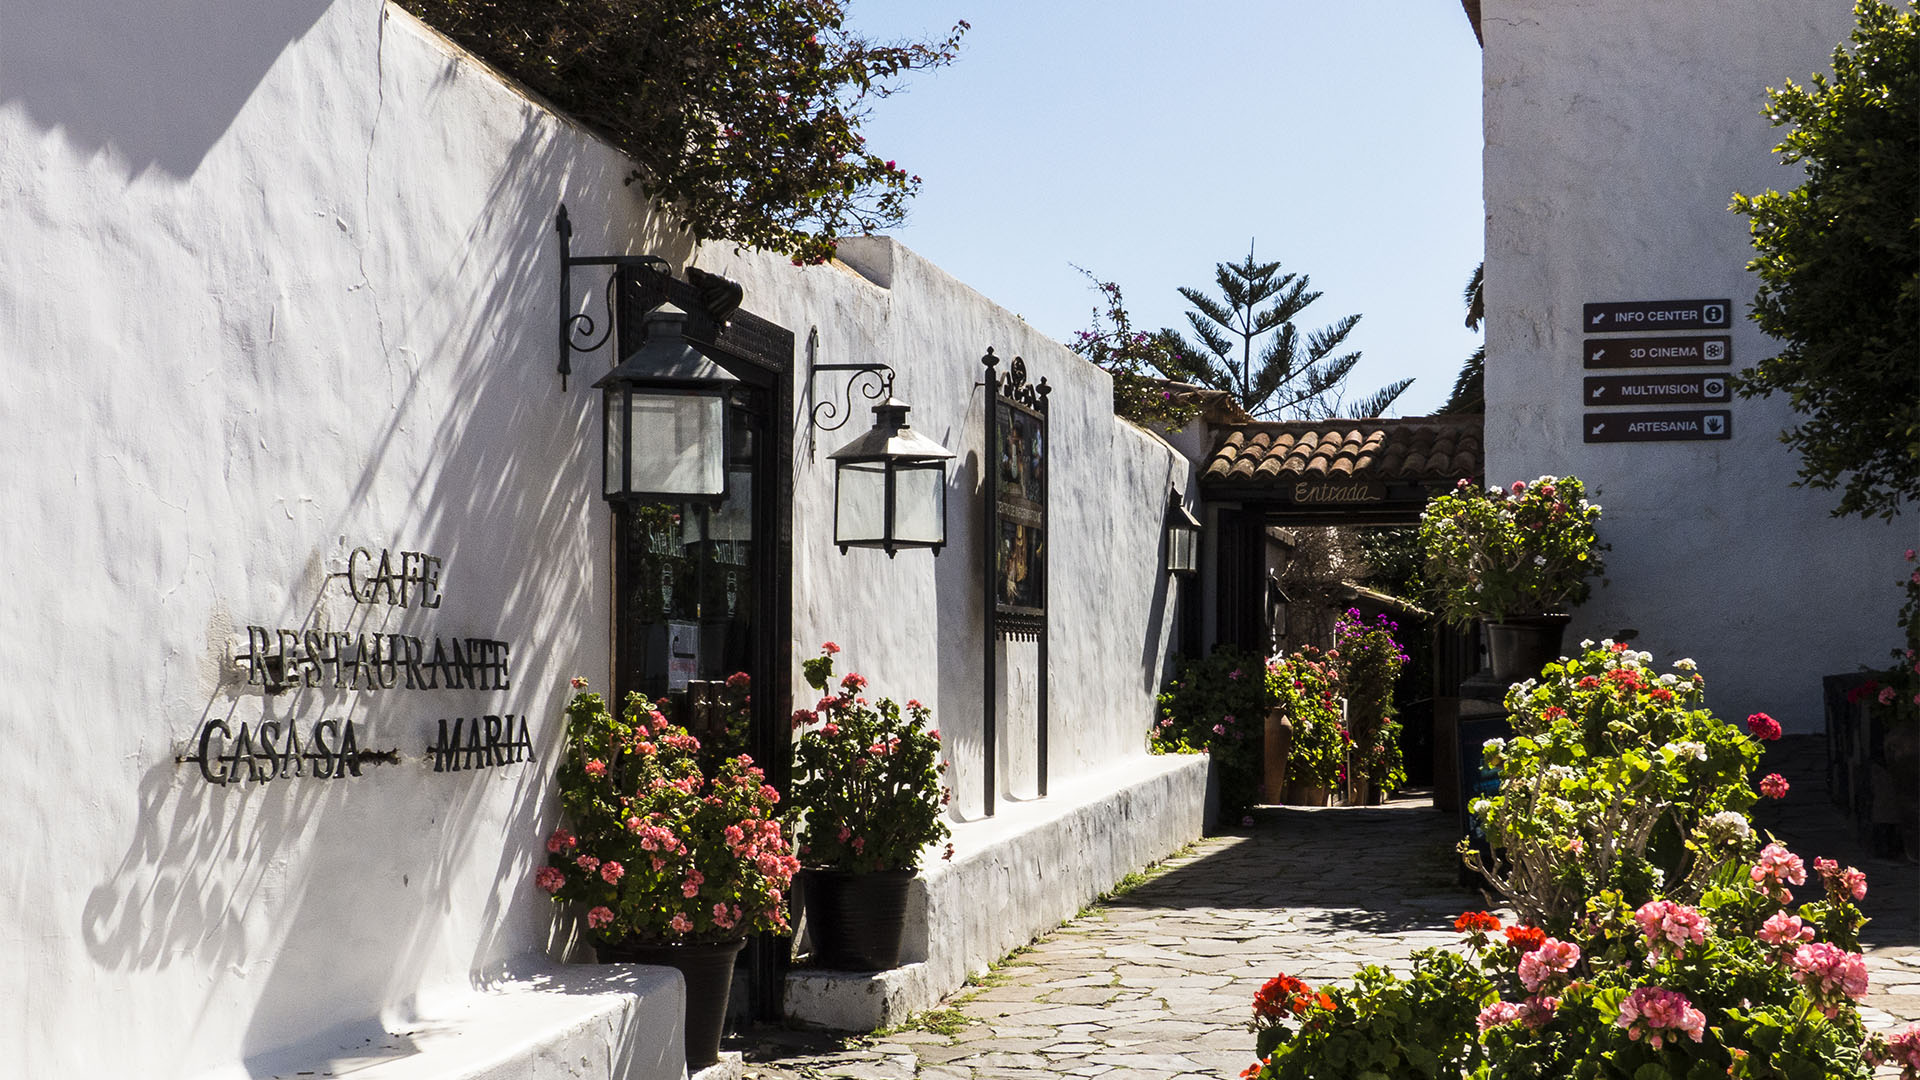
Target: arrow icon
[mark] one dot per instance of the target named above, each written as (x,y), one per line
(1600,318)
(1600,427)
(1599,354)
(1598,390)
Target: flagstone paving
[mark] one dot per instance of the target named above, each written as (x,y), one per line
(1156,985)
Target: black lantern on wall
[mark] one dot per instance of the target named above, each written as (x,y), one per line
(890,486)
(1183,538)
(665,420)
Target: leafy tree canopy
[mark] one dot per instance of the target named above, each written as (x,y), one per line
(1839,266)
(1469,387)
(1295,376)
(744,115)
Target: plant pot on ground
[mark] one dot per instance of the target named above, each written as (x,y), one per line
(669,864)
(866,778)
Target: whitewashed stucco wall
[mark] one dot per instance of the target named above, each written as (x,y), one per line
(1616,133)
(278,282)
(914,623)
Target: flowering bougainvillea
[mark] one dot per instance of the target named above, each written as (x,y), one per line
(866,776)
(653,848)
(1369,661)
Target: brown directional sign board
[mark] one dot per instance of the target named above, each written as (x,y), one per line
(1649,315)
(1676,388)
(1689,350)
(1667,425)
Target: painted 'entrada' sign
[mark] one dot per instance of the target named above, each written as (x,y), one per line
(282,659)
(1309,492)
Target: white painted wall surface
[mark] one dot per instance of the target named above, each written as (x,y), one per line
(1617,132)
(279,281)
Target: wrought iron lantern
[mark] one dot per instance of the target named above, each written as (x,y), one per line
(665,419)
(1183,538)
(890,486)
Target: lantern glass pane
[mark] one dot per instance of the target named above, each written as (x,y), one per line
(860,503)
(1182,550)
(920,503)
(616,426)
(676,442)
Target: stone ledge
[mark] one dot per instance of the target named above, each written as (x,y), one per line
(1013,877)
(577,1022)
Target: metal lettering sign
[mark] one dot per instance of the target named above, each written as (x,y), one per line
(1646,315)
(1674,425)
(281,660)
(1689,351)
(1678,388)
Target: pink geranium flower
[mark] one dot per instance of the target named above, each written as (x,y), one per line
(680,924)
(1497,1014)
(599,917)
(1763,727)
(1552,958)
(1784,929)
(596,767)
(1776,866)
(611,872)
(1773,786)
(1656,1014)
(1827,970)
(1666,924)
(550,879)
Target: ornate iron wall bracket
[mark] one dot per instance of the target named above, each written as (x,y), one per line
(594,333)
(874,381)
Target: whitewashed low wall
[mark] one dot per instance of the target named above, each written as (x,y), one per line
(278,285)
(1013,878)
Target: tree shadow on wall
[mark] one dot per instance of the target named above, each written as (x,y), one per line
(378,882)
(91,68)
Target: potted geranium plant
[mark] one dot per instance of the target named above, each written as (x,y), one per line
(1516,558)
(1305,686)
(866,778)
(1218,706)
(669,865)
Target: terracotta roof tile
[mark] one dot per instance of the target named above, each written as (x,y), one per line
(1421,449)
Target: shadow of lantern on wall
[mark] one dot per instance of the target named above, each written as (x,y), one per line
(890,484)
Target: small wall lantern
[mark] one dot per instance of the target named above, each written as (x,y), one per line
(1183,538)
(890,486)
(665,422)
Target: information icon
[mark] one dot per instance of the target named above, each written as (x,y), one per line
(1713,314)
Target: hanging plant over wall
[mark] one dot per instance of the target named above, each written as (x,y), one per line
(744,115)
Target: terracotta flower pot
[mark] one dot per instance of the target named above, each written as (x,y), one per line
(1306,795)
(707,968)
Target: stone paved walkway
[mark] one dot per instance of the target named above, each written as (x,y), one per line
(1157,984)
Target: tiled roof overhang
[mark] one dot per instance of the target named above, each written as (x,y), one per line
(1346,469)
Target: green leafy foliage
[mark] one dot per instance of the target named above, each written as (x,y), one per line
(652,847)
(1612,781)
(744,115)
(1296,375)
(866,776)
(1132,357)
(1218,706)
(1713,970)
(1839,265)
(1525,550)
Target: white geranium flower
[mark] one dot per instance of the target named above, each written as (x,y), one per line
(1685,663)
(1730,824)
(1539,560)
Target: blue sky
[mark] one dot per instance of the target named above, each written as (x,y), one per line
(1147,141)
